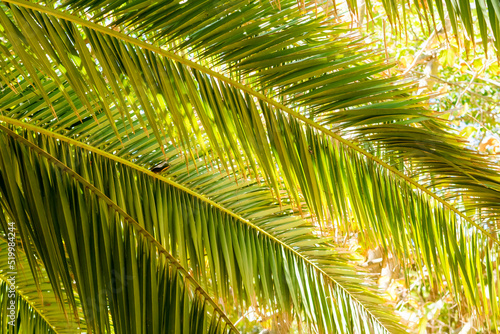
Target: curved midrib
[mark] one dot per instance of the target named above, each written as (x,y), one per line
(174,184)
(33,306)
(125,215)
(187,62)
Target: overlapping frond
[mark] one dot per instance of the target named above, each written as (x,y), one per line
(219,134)
(37,310)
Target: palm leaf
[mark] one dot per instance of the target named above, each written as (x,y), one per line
(193,230)
(453,163)
(345,167)
(147,276)
(328,80)
(459,167)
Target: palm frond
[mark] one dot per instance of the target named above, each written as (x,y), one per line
(317,82)
(223,254)
(148,291)
(219,134)
(334,81)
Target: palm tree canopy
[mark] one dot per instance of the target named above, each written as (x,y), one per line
(275,125)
